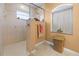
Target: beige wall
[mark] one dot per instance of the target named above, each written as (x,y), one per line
(72,41)
(48,10)
(2,27)
(14,29)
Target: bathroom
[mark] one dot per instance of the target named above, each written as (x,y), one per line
(31,26)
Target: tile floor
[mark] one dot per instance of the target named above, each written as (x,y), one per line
(16,49)
(19,49)
(47,50)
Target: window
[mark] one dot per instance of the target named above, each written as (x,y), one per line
(62,21)
(22,12)
(22,15)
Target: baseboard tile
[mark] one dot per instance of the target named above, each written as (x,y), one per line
(71,51)
(40,43)
(29,53)
(51,43)
(33,51)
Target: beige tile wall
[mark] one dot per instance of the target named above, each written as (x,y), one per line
(72,41)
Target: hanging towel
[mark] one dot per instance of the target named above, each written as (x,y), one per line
(41,28)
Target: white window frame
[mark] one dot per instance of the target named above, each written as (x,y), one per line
(65,29)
